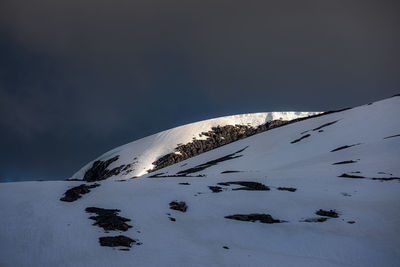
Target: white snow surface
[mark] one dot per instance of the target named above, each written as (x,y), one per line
(145,151)
(36,229)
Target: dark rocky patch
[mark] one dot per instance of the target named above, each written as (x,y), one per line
(180,206)
(75,193)
(344,162)
(346,194)
(301,138)
(321,131)
(108,219)
(99,170)
(211,163)
(327,213)
(184,183)
(344,147)
(225,247)
(345,175)
(325,125)
(290,189)
(116,241)
(249,186)
(215,189)
(229,172)
(351,222)
(356,172)
(318,219)
(387,137)
(172,219)
(263,218)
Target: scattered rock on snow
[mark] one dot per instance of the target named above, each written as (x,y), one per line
(250,186)
(229,172)
(116,241)
(344,162)
(387,137)
(325,125)
(344,147)
(345,175)
(215,189)
(211,163)
(108,219)
(290,189)
(75,192)
(263,218)
(180,206)
(99,170)
(301,138)
(317,219)
(327,213)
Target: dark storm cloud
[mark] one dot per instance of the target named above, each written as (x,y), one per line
(80,77)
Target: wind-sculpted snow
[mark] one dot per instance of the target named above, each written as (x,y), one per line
(271,204)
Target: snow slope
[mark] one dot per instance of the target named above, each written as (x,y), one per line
(36,229)
(146,150)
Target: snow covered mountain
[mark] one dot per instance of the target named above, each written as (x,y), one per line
(137,157)
(321,191)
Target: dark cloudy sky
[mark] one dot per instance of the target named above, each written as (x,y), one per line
(80,77)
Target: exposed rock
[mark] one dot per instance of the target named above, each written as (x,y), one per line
(215,189)
(344,147)
(116,241)
(218,136)
(184,183)
(263,218)
(225,247)
(222,135)
(301,138)
(172,219)
(180,206)
(344,162)
(75,193)
(327,213)
(325,125)
(229,172)
(249,186)
(290,189)
(211,163)
(318,219)
(387,137)
(108,219)
(99,170)
(351,222)
(345,175)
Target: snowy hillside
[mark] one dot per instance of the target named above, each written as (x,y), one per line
(139,155)
(324,191)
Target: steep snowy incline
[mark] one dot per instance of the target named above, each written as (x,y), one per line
(369,131)
(138,156)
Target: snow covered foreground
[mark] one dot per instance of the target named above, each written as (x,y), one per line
(37,229)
